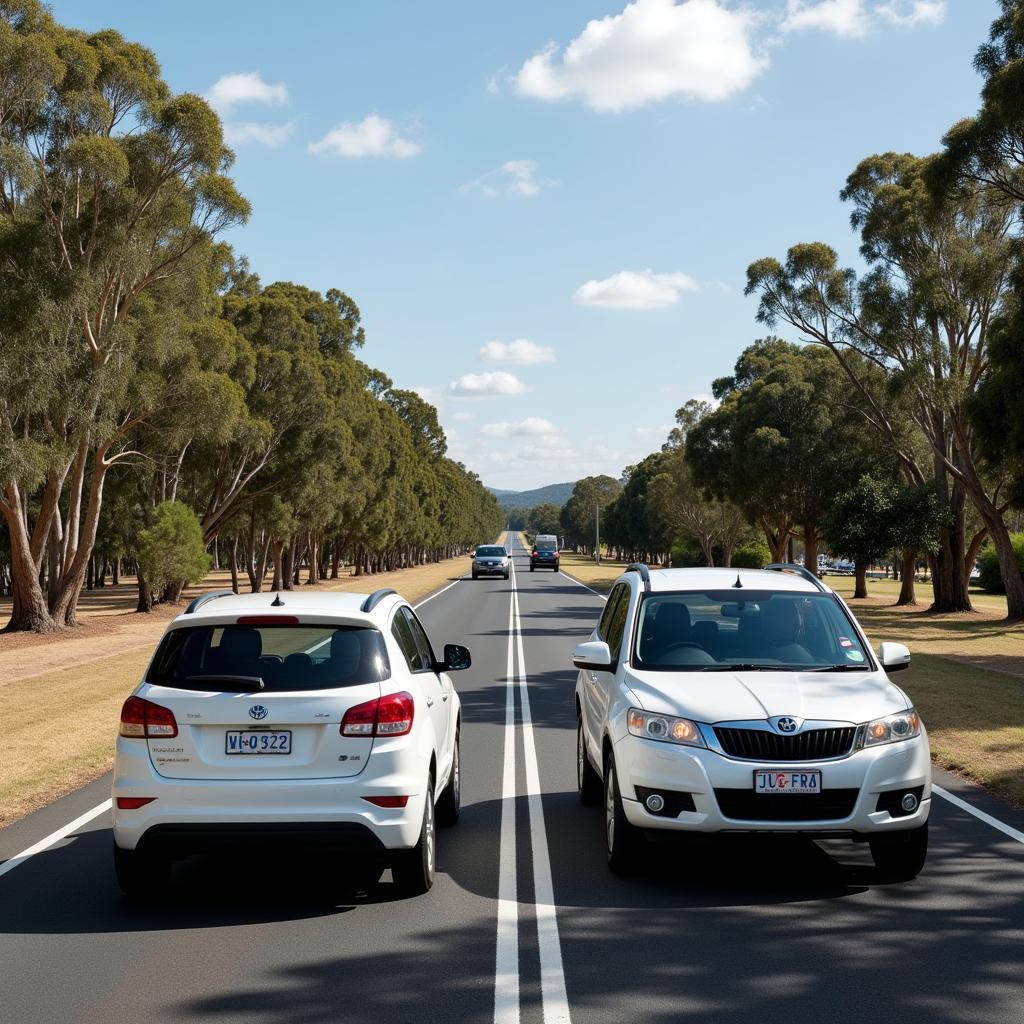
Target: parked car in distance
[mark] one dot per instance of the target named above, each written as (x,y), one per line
(717,701)
(545,552)
(313,719)
(490,560)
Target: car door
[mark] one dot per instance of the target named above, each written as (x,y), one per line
(594,703)
(437,687)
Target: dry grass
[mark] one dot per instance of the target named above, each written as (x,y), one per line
(967,677)
(60,695)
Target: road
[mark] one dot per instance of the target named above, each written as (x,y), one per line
(525,922)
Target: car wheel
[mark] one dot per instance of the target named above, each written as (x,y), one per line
(621,838)
(588,782)
(506,576)
(139,874)
(531,567)
(900,856)
(476,576)
(449,803)
(413,870)
(556,567)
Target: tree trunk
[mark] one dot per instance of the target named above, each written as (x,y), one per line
(908,595)
(145,603)
(1009,569)
(278,548)
(287,566)
(811,552)
(234,564)
(861,576)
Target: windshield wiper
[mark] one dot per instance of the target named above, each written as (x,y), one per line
(243,684)
(845,667)
(745,668)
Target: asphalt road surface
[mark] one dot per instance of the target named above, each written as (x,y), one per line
(525,922)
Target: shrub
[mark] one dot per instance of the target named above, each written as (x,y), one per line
(991,577)
(171,549)
(754,554)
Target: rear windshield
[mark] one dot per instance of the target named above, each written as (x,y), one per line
(284,657)
(756,629)
(546,544)
(490,552)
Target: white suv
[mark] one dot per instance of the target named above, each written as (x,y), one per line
(717,700)
(313,718)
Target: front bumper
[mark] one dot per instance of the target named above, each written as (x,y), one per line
(850,789)
(193,814)
(490,569)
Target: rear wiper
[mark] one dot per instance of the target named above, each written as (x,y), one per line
(243,684)
(845,667)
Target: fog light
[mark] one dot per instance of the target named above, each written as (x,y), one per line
(909,803)
(655,803)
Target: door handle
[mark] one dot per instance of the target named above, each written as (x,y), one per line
(430,702)
(444,697)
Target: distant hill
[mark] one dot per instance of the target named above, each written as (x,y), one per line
(554,494)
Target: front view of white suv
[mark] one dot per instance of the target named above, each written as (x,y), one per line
(717,700)
(314,718)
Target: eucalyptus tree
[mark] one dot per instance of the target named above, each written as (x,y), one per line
(581,513)
(923,317)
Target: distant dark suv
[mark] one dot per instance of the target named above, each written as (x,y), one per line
(544,554)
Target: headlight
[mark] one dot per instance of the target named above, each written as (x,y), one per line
(664,728)
(902,726)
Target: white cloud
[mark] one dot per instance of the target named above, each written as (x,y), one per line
(635,289)
(480,385)
(246,87)
(373,136)
(512,178)
(532,426)
(238,133)
(653,50)
(652,433)
(521,352)
(913,12)
(462,416)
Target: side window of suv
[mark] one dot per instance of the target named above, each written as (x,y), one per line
(426,653)
(406,639)
(609,610)
(617,625)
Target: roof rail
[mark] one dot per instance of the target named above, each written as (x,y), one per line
(799,570)
(211,595)
(375,598)
(645,573)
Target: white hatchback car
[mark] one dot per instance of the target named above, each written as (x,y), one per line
(313,718)
(717,700)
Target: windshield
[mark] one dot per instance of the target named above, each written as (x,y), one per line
(492,552)
(755,630)
(546,544)
(284,657)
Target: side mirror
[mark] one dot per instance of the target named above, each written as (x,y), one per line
(456,658)
(594,655)
(894,657)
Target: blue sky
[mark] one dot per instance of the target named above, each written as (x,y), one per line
(589,180)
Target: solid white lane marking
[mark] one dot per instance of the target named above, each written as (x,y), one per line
(506,959)
(604,597)
(54,837)
(438,593)
(1000,826)
(554,1000)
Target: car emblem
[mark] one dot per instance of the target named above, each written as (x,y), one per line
(258,711)
(787,724)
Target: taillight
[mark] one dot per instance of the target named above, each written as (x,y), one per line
(142,719)
(387,801)
(133,803)
(383,716)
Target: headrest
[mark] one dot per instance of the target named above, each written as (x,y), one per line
(241,642)
(781,621)
(672,621)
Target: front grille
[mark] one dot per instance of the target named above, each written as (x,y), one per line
(746,805)
(812,745)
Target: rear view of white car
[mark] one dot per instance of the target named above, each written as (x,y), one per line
(315,719)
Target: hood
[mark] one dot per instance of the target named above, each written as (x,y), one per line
(712,697)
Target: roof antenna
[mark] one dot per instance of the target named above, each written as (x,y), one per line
(737,585)
(278,603)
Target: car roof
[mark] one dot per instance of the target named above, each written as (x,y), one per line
(664,580)
(325,606)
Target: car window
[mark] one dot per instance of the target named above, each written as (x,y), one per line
(617,624)
(609,610)
(760,629)
(490,552)
(286,657)
(426,653)
(546,544)
(403,634)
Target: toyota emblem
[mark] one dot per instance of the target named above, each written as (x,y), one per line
(258,711)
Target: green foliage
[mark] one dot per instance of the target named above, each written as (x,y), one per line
(754,554)
(988,564)
(171,549)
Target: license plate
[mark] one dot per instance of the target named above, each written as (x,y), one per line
(787,782)
(248,741)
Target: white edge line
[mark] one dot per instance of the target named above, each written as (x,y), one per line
(1000,826)
(54,837)
(438,593)
(604,597)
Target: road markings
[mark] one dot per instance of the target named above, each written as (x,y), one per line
(1000,826)
(506,960)
(438,593)
(54,837)
(604,597)
(554,1000)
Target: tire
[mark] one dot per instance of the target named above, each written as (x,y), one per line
(531,567)
(556,567)
(622,840)
(449,803)
(900,856)
(141,875)
(413,870)
(505,576)
(476,576)
(588,782)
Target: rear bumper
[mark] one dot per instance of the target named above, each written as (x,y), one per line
(183,839)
